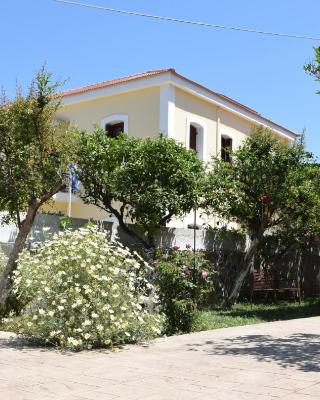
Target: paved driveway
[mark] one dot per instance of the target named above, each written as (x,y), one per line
(265,361)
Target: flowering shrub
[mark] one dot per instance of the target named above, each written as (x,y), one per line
(13,303)
(80,290)
(3,261)
(185,284)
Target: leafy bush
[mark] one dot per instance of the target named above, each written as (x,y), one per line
(82,291)
(3,261)
(13,303)
(185,284)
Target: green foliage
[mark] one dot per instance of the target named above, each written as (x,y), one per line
(13,302)
(313,68)
(64,222)
(34,148)
(151,180)
(268,185)
(80,290)
(3,260)
(247,314)
(185,284)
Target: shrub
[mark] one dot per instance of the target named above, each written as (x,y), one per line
(80,290)
(13,303)
(3,260)
(185,284)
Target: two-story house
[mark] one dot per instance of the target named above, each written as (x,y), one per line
(160,101)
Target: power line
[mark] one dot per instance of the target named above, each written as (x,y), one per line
(184,21)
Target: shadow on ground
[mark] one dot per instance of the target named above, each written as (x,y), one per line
(299,350)
(14,342)
(23,345)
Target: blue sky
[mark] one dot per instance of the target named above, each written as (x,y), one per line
(88,46)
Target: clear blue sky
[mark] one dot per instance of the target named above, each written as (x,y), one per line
(88,46)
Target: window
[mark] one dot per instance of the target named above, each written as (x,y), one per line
(114,130)
(226,148)
(115,124)
(196,135)
(193,138)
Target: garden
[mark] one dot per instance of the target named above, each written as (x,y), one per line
(80,290)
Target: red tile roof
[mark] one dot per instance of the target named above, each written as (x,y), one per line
(114,82)
(147,74)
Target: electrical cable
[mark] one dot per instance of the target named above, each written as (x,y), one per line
(184,21)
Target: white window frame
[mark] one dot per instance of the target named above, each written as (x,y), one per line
(201,127)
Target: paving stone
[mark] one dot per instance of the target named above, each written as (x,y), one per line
(312,390)
(278,360)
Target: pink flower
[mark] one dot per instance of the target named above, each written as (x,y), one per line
(175,248)
(188,246)
(185,270)
(204,274)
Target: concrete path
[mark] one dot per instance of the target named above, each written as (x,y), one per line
(265,361)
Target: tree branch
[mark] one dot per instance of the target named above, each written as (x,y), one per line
(164,219)
(55,189)
(107,206)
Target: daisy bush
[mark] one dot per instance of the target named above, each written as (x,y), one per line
(81,290)
(3,261)
(13,303)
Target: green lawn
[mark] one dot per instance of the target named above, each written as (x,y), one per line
(245,314)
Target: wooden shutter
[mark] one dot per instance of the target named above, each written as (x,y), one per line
(226,148)
(193,138)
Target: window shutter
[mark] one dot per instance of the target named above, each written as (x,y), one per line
(226,148)
(193,138)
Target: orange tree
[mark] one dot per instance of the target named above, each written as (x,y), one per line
(34,152)
(269,187)
(147,181)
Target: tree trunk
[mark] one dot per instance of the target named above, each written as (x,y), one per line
(244,270)
(25,228)
(130,232)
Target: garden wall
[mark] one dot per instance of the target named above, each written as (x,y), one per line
(46,225)
(224,252)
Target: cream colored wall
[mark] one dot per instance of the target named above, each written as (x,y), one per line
(235,127)
(217,122)
(189,107)
(141,106)
(78,210)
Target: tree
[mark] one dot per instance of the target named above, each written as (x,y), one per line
(34,152)
(269,187)
(313,68)
(148,181)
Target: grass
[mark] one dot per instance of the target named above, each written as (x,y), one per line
(245,314)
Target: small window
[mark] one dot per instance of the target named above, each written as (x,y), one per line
(114,130)
(226,149)
(193,138)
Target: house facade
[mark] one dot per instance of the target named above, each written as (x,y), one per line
(146,104)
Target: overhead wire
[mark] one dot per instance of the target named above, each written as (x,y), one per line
(185,21)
